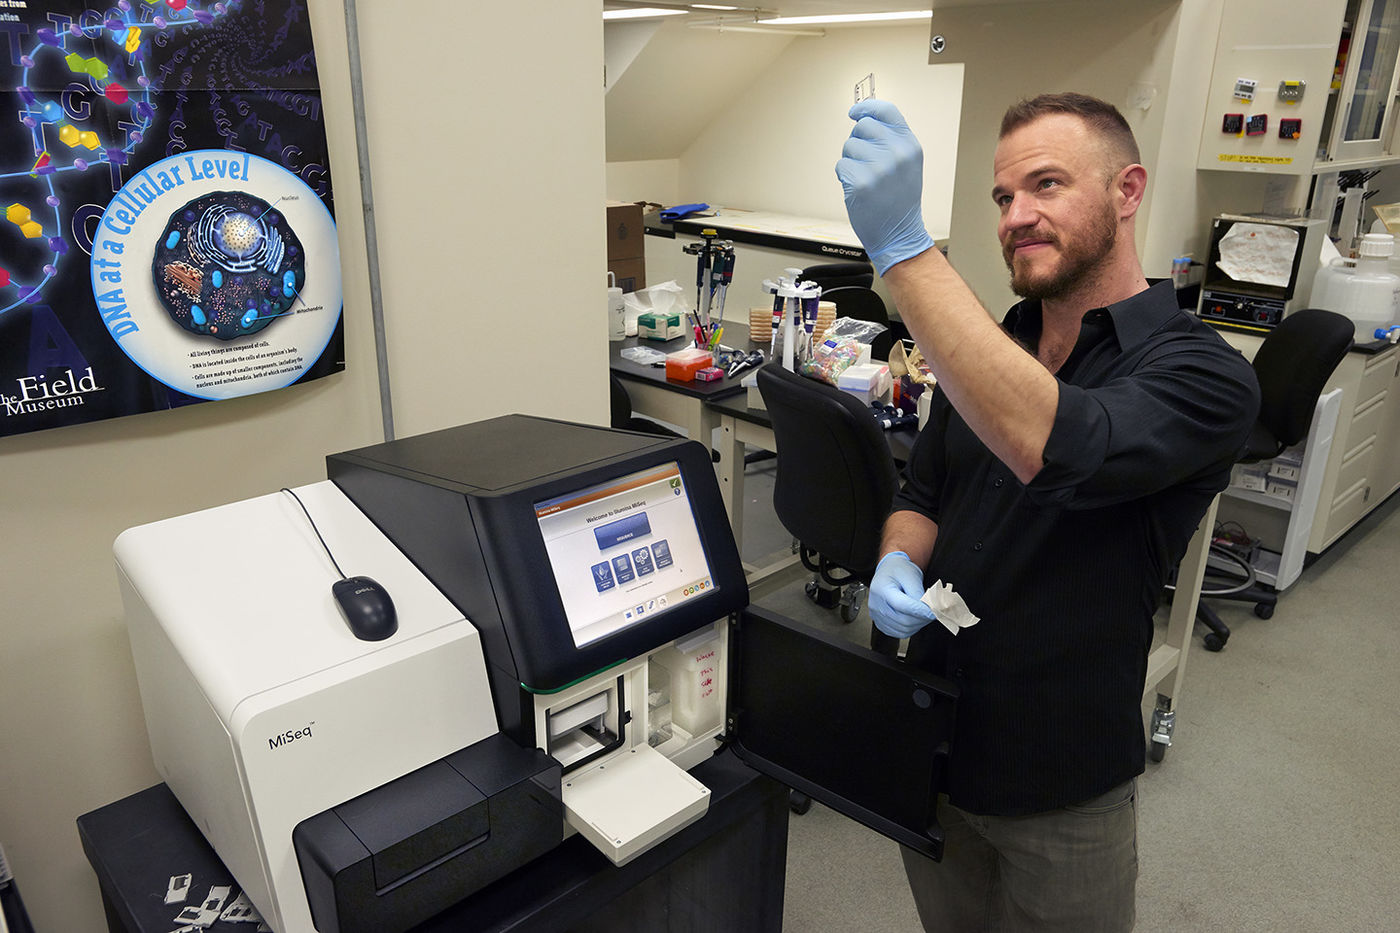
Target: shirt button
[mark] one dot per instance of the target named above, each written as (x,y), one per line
(1000,482)
(959,673)
(977,546)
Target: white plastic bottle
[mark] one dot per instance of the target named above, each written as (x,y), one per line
(617,322)
(1364,289)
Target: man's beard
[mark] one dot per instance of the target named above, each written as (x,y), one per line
(1077,257)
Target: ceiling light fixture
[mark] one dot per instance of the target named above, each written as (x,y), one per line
(737,26)
(641,13)
(840,18)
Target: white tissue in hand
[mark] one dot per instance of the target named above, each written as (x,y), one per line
(948,607)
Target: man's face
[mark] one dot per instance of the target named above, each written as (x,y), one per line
(1059,219)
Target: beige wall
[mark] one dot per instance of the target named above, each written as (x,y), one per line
(487,156)
(492,242)
(1101,47)
(775,147)
(656,180)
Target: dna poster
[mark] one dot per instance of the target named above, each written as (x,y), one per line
(168,234)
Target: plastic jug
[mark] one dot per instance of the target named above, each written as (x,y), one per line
(1364,289)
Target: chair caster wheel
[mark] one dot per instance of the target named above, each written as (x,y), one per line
(823,596)
(1213,642)
(799,803)
(852,599)
(1156,750)
(1264,610)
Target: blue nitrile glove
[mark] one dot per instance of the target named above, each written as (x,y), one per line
(882,172)
(895,607)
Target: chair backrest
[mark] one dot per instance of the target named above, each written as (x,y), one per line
(836,477)
(1293,364)
(840,274)
(619,403)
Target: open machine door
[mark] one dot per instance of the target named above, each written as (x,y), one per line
(863,734)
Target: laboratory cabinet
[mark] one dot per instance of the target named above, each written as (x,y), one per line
(1359,123)
(1270,93)
(1366,468)
(1307,93)
(1362,463)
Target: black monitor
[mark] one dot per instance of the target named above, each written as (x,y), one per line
(572,548)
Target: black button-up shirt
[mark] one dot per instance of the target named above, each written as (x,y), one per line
(1067,571)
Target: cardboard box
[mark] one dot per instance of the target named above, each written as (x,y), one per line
(625,234)
(630,274)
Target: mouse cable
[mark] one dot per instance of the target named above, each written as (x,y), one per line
(318,532)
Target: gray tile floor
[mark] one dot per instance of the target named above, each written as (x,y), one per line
(1275,810)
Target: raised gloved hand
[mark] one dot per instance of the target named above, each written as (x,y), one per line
(882,172)
(895,607)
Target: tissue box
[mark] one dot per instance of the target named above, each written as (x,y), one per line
(869,382)
(684,364)
(654,326)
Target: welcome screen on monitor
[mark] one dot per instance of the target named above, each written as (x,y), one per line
(623,551)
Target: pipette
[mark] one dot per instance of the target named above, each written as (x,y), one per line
(787,292)
(727,277)
(751,360)
(809,321)
(777,316)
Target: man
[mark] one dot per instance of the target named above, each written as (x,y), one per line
(1069,455)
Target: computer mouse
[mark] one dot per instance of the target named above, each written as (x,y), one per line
(367,608)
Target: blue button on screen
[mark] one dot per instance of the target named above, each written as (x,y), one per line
(623,529)
(622,566)
(602,576)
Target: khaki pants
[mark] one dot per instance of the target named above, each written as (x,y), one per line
(1072,870)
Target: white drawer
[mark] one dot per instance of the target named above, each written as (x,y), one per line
(1365,423)
(1377,376)
(1346,510)
(1354,471)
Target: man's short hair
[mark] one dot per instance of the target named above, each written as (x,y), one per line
(1101,117)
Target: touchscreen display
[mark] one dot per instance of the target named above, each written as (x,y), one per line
(624,551)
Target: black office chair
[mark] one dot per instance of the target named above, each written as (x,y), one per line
(1292,364)
(840,274)
(836,479)
(623,417)
(847,285)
